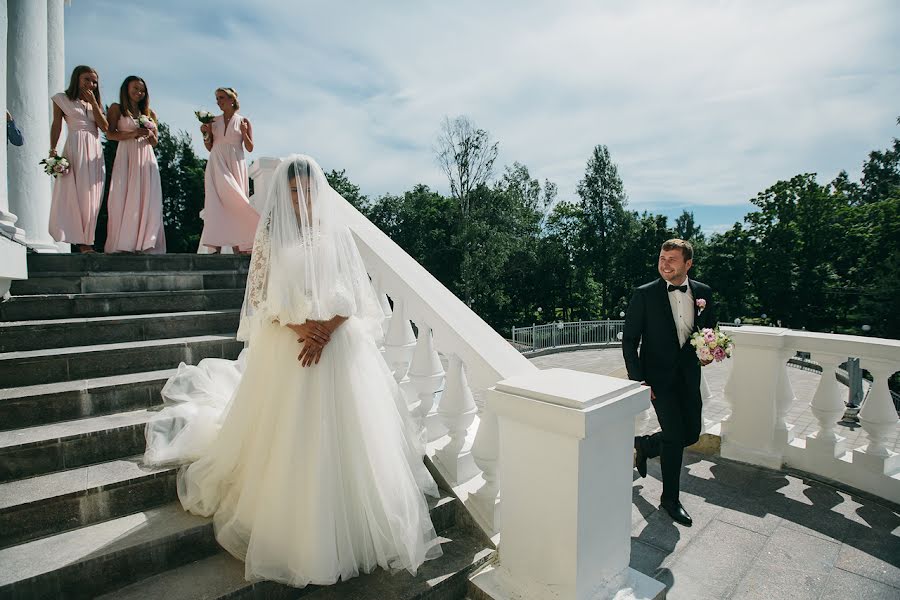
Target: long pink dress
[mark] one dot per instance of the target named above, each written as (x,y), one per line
(228,218)
(135,197)
(77,195)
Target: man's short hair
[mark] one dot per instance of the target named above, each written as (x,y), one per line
(687,251)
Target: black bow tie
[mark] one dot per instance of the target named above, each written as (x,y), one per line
(680,288)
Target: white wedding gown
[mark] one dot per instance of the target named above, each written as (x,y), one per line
(310,474)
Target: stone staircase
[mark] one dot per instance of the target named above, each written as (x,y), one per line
(86,344)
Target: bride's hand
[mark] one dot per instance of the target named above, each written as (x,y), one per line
(310,354)
(315,331)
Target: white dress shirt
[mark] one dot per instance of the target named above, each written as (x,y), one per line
(682,304)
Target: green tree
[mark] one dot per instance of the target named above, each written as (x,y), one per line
(340,183)
(603,198)
(727,270)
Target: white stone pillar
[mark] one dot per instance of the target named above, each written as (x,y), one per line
(7,218)
(56,64)
(748,434)
(56,48)
(27,100)
(566,475)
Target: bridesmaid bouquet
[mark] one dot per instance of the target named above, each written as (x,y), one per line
(712,345)
(146,122)
(54,166)
(204,116)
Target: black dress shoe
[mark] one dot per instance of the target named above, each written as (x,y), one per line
(677,512)
(640,460)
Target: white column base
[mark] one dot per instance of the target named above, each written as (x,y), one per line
(497,583)
(753,455)
(486,511)
(13,264)
(824,448)
(456,467)
(883,465)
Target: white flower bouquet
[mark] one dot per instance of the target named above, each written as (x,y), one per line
(204,116)
(146,122)
(712,345)
(54,166)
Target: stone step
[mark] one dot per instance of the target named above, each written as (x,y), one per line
(222,576)
(70,444)
(105,556)
(82,263)
(68,306)
(61,333)
(33,405)
(49,504)
(130,281)
(34,367)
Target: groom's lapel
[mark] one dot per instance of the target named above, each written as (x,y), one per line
(663,294)
(696,310)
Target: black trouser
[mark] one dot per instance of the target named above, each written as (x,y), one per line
(678,408)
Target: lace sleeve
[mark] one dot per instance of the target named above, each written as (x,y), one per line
(257,282)
(257,278)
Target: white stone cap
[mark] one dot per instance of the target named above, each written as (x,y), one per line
(572,403)
(575,389)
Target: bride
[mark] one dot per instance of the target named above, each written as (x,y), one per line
(302,451)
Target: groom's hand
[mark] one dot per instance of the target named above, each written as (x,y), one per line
(652,395)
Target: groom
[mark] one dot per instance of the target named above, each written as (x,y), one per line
(661,317)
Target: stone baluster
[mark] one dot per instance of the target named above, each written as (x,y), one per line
(485,502)
(457,412)
(427,375)
(385,304)
(399,343)
(828,407)
(878,417)
(784,399)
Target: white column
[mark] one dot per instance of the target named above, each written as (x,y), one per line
(566,470)
(748,434)
(7,218)
(56,48)
(28,98)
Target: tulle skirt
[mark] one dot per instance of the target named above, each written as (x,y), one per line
(311,474)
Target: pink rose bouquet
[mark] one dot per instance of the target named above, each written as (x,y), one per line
(55,166)
(712,345)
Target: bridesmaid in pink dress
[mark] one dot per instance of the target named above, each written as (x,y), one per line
(135,193)
(228,218)
(77,195)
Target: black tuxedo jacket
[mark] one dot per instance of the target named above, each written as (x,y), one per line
(649,323)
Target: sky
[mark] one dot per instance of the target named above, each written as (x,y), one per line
(702,104)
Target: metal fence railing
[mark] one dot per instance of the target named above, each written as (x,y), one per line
(555,335)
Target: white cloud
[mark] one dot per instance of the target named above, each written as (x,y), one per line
(701,103)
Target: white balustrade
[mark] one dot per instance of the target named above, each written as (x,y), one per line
(485,502)
(828,407)
(878,417)
(785,398)
(399,343)
(457,412)
(427,375)
(761,396)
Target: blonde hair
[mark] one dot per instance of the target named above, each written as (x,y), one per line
(231,94)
